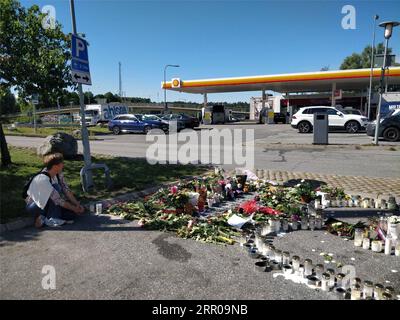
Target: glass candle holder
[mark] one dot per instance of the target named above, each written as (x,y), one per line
(325,281)
(356,281)
(318,223)
(340,280)
(376,246)
(99,208)
(294,225)
(358,237)
(295,263)
(285,225)
(278,256)
(366,243)
(308,266)
(386,296)
(319,270)
(378,291)
(285,258)
(365,203)
(311,223)
(356,292)
(390,290)
(304,223)
(397,248)
(332,280)
(368,289)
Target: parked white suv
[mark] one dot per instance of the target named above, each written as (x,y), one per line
(303,119)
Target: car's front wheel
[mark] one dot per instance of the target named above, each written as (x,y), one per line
(116,130)
(146,129)
(391,134)
(352,127)
(304,127)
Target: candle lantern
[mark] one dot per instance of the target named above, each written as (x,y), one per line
(319,270)
(378,291)
(308,266)
(312,223)
(356,292)
(368,289)
(332,279)
(278,256)
(285,258)
(376,246)
(325,281)
(295,263)
(304,223)
(366,243)
(358,237)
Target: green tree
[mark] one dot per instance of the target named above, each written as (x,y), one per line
(363,60)
(33,59)
(8,102)
(89,98)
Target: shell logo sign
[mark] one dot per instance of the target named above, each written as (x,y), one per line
(176,83)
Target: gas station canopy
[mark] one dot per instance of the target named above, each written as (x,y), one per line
(355,79)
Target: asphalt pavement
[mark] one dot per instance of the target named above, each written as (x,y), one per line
(102,257)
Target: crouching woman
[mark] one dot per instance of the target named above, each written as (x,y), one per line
(49,198)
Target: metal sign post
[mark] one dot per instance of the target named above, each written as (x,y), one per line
(80,61)
(35,101)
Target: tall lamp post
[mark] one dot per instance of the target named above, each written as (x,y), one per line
(165,89)
(376,17)
(388,25)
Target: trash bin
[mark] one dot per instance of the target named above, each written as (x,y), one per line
(320,129)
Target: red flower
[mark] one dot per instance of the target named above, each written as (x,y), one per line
(249,206)
(168,211)
(270,211)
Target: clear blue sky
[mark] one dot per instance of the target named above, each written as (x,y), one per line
(216,39)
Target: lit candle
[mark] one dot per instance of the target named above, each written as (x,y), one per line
(366,243)
(378,291)
(308,267)
(325,281)
(376,246)
(296,263)
(356,292)
(368,289)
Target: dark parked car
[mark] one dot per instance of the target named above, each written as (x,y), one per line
(153,120)
(190,122)
(389,128)
(129,123)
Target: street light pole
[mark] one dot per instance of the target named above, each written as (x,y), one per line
(376,17)
(165,89)
(84,131)
(388,25)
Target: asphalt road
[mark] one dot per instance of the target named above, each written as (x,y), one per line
(100,257)
(276,147)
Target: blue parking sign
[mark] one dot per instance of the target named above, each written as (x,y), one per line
(79,49)
(80,71)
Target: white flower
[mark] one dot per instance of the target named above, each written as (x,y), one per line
(230,211)
(298,185)
(303,180)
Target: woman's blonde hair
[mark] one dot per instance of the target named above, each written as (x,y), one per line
(53,159)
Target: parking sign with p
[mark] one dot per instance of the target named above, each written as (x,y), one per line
(80,61)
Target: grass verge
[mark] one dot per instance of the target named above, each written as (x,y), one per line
(44,132)
(128,175)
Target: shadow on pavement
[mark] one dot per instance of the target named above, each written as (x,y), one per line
(83,223)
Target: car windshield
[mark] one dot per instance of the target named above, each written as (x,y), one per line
(391,113)
(151,117)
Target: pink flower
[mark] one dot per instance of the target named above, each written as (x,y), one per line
(174,189)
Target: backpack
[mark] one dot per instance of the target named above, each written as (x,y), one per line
(28,183)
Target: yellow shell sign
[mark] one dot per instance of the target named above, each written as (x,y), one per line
(176,83)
